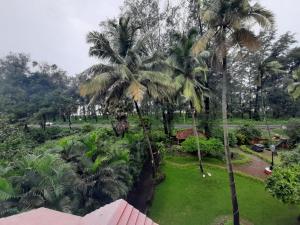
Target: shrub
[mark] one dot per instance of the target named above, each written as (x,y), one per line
(87,128)
(291,157)
(177,148)
(211,146)
(158,136)
(284,184)
(293,131)
(51,133)
(246,134)
(241,139)
(134,136)
(217,132)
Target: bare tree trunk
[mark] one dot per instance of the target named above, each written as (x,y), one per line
(256,106)
(165,123)
(235,208)
(197,141)
(146,135)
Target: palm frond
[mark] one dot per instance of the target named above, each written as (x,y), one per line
(201,44)
(246,38)
(95,70)
(6,190)
(136,91)
(101,48)
(262,16)
(98,85)
(190,94)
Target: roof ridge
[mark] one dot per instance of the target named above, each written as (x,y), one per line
(124,209)
(114,220)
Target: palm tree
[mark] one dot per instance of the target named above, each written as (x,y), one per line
(189,70)
(128,75)
(226,21)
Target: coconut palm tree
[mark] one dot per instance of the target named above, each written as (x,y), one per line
(227,20)
(189,71)
(128,75)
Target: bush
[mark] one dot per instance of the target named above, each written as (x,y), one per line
(284,184)
(212,146)
(241,139)
(158,136)
(87,128)
(246,134)
(293,131)
(291,157)
(134,136)
(217,132)
(51,133)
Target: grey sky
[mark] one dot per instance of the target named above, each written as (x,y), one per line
(54,31)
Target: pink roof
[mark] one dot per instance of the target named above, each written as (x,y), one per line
(116,213)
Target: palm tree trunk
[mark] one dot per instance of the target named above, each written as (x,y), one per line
(197,139)
(146,135)
(256,106)
(165,123)
(235,208)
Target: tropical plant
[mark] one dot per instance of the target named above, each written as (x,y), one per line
(128,75)
(226,21)
(189,72)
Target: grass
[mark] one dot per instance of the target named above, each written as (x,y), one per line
(185,198)
(187,158)
(271,121)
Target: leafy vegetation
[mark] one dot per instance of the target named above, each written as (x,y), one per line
(212,146)
(74,174)
(194,62)
(284,184)
(246,134)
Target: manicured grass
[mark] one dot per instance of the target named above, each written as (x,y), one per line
(271,121)
(186,158)
(185,198)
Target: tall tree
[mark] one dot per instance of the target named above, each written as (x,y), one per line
(128,75)
(189,73)
(226,20)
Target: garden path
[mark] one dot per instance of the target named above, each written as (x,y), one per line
(254,168)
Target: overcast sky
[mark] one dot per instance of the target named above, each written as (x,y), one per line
(54,31)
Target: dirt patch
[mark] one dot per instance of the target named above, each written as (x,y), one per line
(224,220)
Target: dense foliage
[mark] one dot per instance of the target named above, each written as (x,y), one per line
(39,92)
(246,134)
(293,131)
(217,132)
(212,146)
(200,58)
(74,174)
(284,184)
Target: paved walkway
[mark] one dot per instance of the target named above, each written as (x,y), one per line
(254,168)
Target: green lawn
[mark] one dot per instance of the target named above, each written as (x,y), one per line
(186,198)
